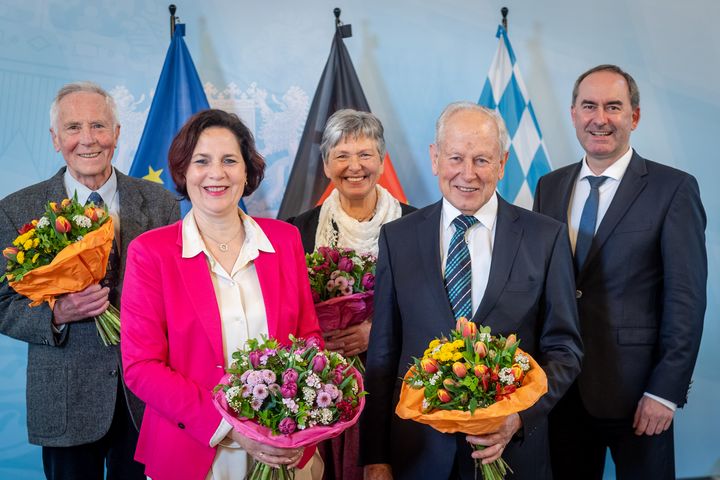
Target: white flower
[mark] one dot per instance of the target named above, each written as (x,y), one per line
(523,361)
(232,392)
(82,221)
(484,337)
(43,222)
(425,404)
(313,380)
(308,394)
(434,379)
(290,404)
(506,376)
(326,416)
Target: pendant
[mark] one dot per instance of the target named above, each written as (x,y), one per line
(223,247)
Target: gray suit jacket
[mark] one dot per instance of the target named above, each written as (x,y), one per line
(72,378)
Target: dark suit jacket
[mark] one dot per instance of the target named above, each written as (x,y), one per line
(72,378)
(530,292)
(641,293)
(307,223)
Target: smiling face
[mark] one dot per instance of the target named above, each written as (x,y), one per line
(354,167)
(468,160)
(86,136)
(216,175)
(603,118)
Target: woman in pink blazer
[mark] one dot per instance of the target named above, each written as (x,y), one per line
(195,291)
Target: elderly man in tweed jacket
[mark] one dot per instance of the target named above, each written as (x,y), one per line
(79,410)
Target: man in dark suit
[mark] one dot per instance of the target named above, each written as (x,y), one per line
(638,232)
(521,282)
(78,408)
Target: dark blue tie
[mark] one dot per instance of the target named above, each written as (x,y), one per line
(458,271)
(112,274)
(588,221)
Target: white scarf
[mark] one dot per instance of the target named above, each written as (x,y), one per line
(338,229)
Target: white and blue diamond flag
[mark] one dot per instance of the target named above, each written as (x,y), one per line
(505,92)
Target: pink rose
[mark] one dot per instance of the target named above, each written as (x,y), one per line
(368,281)
(290,376)
(318,363)
(287,426)
(288,390)
(345,264)
(255,358)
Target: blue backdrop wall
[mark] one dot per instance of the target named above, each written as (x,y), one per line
(263,61)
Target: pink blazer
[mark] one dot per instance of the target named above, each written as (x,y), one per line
(171,339)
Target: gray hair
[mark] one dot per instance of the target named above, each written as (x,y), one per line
(453,108)
(633,89)
(87,87)
(351,123)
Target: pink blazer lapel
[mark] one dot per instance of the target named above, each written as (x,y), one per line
(266,265)
(195,277)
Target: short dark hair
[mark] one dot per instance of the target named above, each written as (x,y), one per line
(632,85)
(184,143)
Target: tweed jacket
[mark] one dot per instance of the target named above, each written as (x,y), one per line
(72,378)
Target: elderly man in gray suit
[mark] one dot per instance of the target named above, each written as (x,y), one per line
(79,409)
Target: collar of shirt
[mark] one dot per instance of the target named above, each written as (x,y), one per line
(255,239)
(487,214)
(107,191)
(616,171)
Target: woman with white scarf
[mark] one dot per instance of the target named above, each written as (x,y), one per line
(353,149)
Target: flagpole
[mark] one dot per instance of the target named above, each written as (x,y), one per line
(504,11)
(173,18)
(345,30)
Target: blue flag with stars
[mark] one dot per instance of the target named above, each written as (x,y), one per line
(505,92)
(178,95)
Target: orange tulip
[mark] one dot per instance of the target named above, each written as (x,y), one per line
(459,369)
(443,395)
(430,365)
(91,213)
(449,383)
(62,225)
(460,323)
(54,207)
(469,329)
(481,349)
(511,340)
(10,251)
(517,372)
(65,202)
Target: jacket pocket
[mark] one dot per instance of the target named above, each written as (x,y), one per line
(47,401)
(637,336)
(628,227)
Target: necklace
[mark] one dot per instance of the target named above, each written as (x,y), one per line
(223,246)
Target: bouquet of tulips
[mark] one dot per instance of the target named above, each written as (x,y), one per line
(342,282)
(289,396)
(471,382)
(64,251)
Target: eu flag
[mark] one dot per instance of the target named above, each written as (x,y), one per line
(179,94)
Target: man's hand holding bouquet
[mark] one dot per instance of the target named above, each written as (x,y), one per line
(63,252)
(474,383)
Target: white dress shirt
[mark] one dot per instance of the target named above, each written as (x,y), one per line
(615,173)
(242,316)
(480,239)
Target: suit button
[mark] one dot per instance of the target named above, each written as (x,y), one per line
(578,293)
(181,426)
(113,373)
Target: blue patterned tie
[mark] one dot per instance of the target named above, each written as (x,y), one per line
(588,221)
(458,270)
(112,274)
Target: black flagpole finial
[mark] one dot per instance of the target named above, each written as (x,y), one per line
(172,9)
(345,30)
(504,11)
